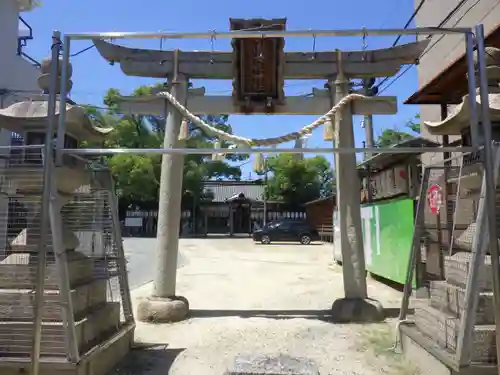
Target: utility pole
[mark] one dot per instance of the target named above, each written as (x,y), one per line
(265,165)
(266,191)
(368,119)
(164,305)
(368,90)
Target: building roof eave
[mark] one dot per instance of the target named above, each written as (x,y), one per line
(450,85)
(383,160)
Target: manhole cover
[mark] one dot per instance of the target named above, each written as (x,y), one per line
(272,365)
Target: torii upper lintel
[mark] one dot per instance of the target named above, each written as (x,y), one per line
(297,65)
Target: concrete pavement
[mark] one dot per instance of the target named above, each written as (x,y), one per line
(249,298)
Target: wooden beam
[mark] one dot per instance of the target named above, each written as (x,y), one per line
(298,65)
(216,105)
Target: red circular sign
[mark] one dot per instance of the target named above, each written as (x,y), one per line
(435,198)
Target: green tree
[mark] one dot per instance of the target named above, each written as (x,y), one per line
(414,124)
(299,180)
(390,137)
(199,168)
(137,176)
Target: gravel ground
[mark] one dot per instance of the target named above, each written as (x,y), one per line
(255,299)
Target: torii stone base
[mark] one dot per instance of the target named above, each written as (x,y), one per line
(163,310)
(357,310)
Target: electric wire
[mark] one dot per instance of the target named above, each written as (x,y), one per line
(322,119)
(412,17)
(390,13)
(446,19)
(403,72)
(83,50)
(398,38)
(161,40)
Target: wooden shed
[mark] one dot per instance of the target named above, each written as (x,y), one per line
(320,214)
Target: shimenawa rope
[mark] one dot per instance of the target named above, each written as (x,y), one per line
(249,142)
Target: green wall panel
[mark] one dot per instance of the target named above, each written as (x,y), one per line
(387,237)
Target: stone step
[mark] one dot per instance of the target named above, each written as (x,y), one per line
(456,270)
(28,177)
(16,337)
(19,305)
(18,271)
(451,298)
(443,328)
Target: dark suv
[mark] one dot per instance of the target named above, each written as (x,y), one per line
(287,230)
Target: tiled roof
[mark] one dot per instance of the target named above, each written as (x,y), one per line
(225,191)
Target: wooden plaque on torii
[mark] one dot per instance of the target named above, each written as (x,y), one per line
(258,65)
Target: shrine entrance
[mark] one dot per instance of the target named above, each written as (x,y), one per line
(240,210)
(258,67)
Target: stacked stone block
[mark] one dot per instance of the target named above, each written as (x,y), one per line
(95,318)
(440,318)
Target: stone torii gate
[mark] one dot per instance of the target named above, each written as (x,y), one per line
(258,69)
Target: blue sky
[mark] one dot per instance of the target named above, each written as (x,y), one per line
(93,76)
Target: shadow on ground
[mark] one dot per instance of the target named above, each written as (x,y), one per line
(147,360)
(324,315)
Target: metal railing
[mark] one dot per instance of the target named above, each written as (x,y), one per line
(22,41)
(450,250)
(85,280)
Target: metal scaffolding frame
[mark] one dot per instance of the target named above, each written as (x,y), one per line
(210,151)
(474,40)
(486,215)
(267,34)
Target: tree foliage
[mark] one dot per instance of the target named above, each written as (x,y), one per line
(299,180)
(390,137)
(293,180)
(137,176)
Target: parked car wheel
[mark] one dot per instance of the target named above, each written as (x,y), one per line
(305,239)
(266,240)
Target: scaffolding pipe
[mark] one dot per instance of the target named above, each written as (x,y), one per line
(471,81)
(54,213)
(468,32)
(468,316)
(210,151)
(415,248)
(61,128)
(490,173)
(44,209)
(267,34)
(487,217)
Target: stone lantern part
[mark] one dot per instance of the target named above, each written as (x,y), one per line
(44,79)
(459,117)
(83,232)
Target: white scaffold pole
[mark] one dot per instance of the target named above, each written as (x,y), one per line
(210,151)
(267,34)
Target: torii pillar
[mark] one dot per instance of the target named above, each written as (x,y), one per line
(164,306)
(355,306)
